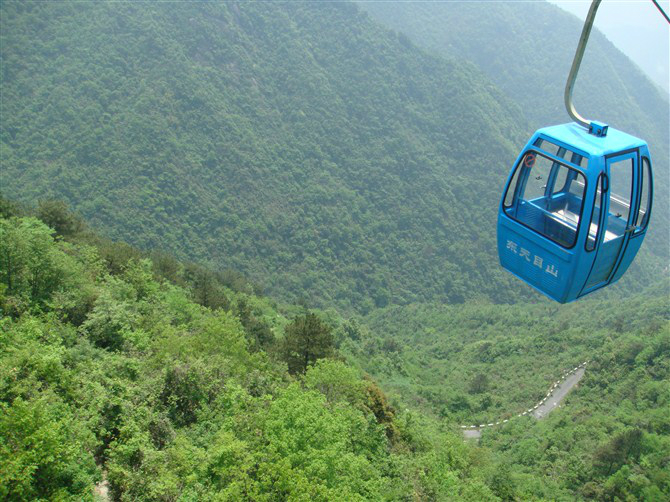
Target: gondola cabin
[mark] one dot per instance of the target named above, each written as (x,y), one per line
(575,209)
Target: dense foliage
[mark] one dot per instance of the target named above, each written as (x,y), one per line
(485,363)
(498,360)
(297,142)
(335,162)
(108,368)
(612,440)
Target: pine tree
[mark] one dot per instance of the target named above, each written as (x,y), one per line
(306,340)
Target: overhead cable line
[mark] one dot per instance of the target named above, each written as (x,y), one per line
(660,9)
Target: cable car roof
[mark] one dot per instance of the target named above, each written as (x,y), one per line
(578,137)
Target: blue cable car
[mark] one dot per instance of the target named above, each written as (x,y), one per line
(577,203)
(575,210)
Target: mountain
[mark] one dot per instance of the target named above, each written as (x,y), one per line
(432,354)
(487,364)
(116,380)
(300,143)
(526,49)
(303,144)
(335,161)
(151,379)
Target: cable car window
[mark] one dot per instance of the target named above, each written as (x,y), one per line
(539,168)
(509,196)
(542,205)
(577,187)
(621,186)
(645,200)
(560,183)
(592,237)
(560,152)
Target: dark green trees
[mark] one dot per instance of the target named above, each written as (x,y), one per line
(307,339)
(56,214)
(615,453)
(325,206)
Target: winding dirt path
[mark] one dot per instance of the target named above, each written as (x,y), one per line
(559,394)
(556,394)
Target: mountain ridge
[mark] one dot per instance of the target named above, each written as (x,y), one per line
(302,144)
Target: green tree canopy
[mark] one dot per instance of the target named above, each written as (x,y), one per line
(306,340)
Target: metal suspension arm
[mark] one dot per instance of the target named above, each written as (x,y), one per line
(594,127)
(576,63)
(660,9)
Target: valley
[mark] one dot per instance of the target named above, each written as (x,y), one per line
(248,252)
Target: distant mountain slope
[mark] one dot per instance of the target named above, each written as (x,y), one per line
(434,355)
(478,364)
(527,48)
(300,143)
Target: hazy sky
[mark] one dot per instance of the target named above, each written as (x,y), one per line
(636,28)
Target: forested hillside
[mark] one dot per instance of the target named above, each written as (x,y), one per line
(488,363)
(497,359)
(300,143)
(283,283)
(109,369)
(172,383)
(527,48)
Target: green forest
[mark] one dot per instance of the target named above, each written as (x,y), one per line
(610,88)
(317,152)
(110,364)
(248,252)
(173,383)
(248,137)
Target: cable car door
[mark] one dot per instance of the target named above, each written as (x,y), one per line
(616,221)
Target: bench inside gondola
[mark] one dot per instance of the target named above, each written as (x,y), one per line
(556,218)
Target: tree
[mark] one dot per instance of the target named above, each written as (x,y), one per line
(479,383)
(183,393)
(166,266)
(258,332)
(30,265)
(9,208)
(338,382)
(624,446)
(44,451)
(206,288)
(56,214)
(306,340)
